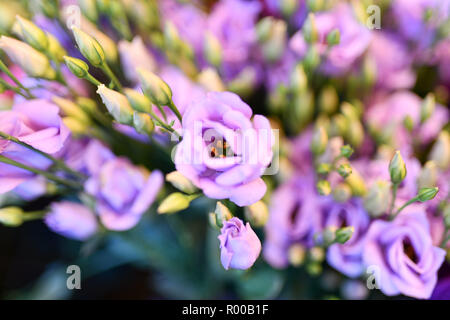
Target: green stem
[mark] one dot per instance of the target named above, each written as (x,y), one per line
(162,124)
(49,176)
(58,162)
(404,206)
(34,215)
(92,80)
(445,238)
(175,110)
(111,75)
(5,69)
(15,89)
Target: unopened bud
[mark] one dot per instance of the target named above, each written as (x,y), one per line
(427,107)
(78,67)
(75,126)
(89,47)
(288,7)
(299,80)
(356,183)
(408,123)
(257,214)
(344,234)
(428,175)
(89,9)
(32,34)
(143,123)
(117,105)
(397,168)
(319,140)
(328,100)
(210,79)
(376,201)
(71,109)
(355,133)
(55,48)
(323,187)
(344,170)
(334,37)
(426,194)
(155,88)
(446,214)
(222,214)
(346,151)
(317,254)
(180,182)
(315,5)
(138,101)
(342,193)
(11,216)
(312,59)
(175,202)
(213,50)
(309,29)
(440,153)
(323,168)
(296,254)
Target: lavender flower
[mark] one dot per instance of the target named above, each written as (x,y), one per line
(239,245)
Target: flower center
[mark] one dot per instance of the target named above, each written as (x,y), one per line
(409,250)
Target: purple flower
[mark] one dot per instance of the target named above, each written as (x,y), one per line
(37,123)
(239,245)
(403,253)
(442,290)
(294,218)
(442,57)
(72,220)
(223,152)
(354,39)
(123,192)
(347,257)
(297,19)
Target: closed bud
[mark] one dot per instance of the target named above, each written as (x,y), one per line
(319,140)
(296,254)
(312,59)
(376,201)
(257,214)
(138,101)
(315,5)
(323,168)
(408,123)
(338,125)
(427,107)
(89,9)
(244,82)
(426,194)
(117,105)
(171,37)
(11,216)
(154,87)
(222,214)
(180,182)
(210,79)
(397,168)
(32,34)
(213,50)
(446,214)
(317,254)
(263,29)
(89,47)
(87,104)
(356,183)
(8,12)
(55,49)
(71,109)
(323,187)
(428,175)
(143,123)
(328,100)
(344,170)
(344,234)
(309,29)
(33,62)
(288,7)
(299,80)
(75,126)
(440,153)
(355,133)
(333,37)
(78,67)
(328,236)
(342,193)
(275,45)
(346,151)
(175,202)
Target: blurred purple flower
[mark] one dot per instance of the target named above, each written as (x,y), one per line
(297,18)
(442,290)
(72,220)
(404,254)
(239,245)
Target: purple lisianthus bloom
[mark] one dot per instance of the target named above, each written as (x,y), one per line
(37,123)
(72,220)
(224,152)
(354,39)
(239,245)
(123,191)
(347,257)
(294,217)
(393,61)
(233,23)
(442,290)
(403,253)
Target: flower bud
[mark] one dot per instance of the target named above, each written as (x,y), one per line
(317,254)
(143,123)
(288,7)
(344,234)
(117,105)
(263,29)
(181,182)
(33,62)
(319,140)
(344,170)
(427,107)
(275,45)
(75,126)
(8,12)
(376,201)
(171,36)
(356,183)
(55,49)
(138,101)
(89,47)
(346,151)
(428,175)
(312,59)
(257,214)
(323,187)
(154,87)
(244,82)
(78,67)
(355,132)
(328,100)
(296,254)
(440,153)
(342,193)
(32,34)
(309,29)
(334,37)
(328,236)
(408,123)
(446,214)
(323,168)
(213,50)
(426,194)
(11,216)
(299,80)
(70,109)
(89,9)
(397,168)
(88,105)
(222,214)
(210,79)
(175,202)
(315,5)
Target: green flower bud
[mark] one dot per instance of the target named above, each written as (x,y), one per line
(55,49)
(317,254)
(155,88)
(143,123)
(446,214)
(288,7)
(296,254)
(319,140)
(243,83)
(89,9)
(213,50)
(376,201)
(323,168)
(356,183)
(89,47)
(175,202)
(426,194)
(328,236)
(11,216)
(309,29)
(427,107)
(299,80)
(75,126)
(78,67)
(397,168)
(312,59)
(355,133)
(210,79)
(344,170)
(117,105)
(440,153)
(323,187)
(408,123)
(181,182)
(342,193)
(257,214)
(274,46)
(138,101)
(8,13)
(32,34)
(71,109)
(328,100)
(428,175)
(338,125)
(171,37)
(222,214)
(334,37)
(88,105)
(315,5)
(344,234)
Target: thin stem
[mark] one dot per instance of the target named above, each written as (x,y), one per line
(58,162)
(175,110)
(15,89)
(445,238)
(34,215)
(6,70)
(404,206)
(394,196)
(92,80)
(111,75)
(162,124)
(49,176)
